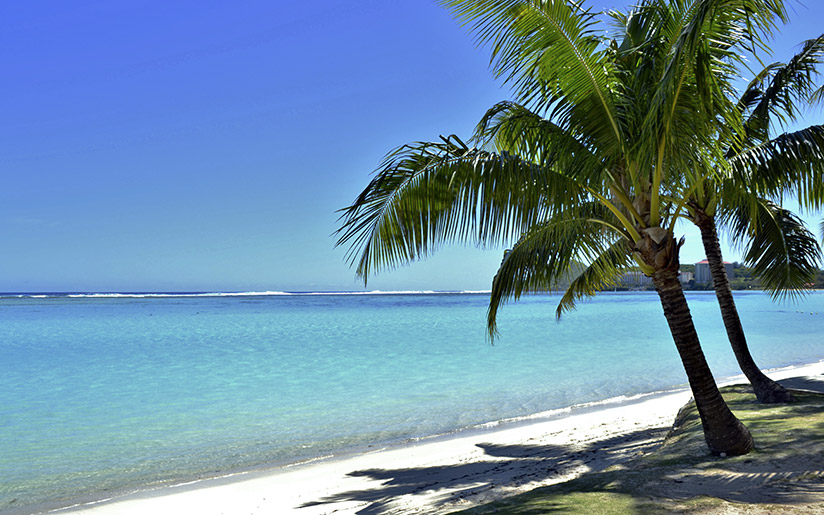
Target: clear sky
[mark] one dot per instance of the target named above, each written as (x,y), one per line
(204,146)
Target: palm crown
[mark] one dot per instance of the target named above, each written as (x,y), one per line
(630,124)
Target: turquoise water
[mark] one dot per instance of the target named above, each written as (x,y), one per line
(100,395)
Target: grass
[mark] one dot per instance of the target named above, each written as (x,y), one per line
(784,474)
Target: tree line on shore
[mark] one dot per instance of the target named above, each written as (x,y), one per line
(621,125)
(743,278)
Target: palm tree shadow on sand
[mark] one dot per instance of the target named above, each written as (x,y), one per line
(787,468)
(510,465)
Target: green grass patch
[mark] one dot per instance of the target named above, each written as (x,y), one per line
(784,474)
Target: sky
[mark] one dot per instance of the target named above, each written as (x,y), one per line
(207,146)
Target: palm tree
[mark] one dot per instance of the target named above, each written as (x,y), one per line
(781,249)
(780,235)
(604,176)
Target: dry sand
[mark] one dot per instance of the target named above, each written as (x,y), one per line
(442,474)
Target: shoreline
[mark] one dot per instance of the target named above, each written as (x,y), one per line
(437,473)
(80,504)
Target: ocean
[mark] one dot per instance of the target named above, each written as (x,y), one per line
(103,394)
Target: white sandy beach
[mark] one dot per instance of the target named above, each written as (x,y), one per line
(444,474)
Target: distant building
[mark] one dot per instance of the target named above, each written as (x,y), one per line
(685,277)
(635,279)
(703,275)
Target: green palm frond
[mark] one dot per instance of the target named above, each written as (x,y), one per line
(683,81)
(817,96)
(428,194)
(754,92)
(695,39)
(773,96)
(518,129)
(700,43)
(792,163)
(602,273)
(782,252)
(545,255)
(550,53)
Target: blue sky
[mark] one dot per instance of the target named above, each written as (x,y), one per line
(203,146)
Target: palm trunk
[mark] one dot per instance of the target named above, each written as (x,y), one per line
(724,433)
(766,390)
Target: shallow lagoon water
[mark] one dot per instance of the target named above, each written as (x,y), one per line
(106,394)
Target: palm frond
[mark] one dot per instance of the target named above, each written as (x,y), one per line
(780,88)
(683,77)
(817,96)
(517,129)
(545,255)
(701,44)
(792,163)
(686,57)
(550,53)
(428,194)
(599,275)
(782,252)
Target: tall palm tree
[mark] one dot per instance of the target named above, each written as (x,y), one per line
(783,252)
(779,229)
(623,131)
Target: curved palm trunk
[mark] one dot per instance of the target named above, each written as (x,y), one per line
(724,433)
(766,390)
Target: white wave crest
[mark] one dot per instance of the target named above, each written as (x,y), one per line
(267,293)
